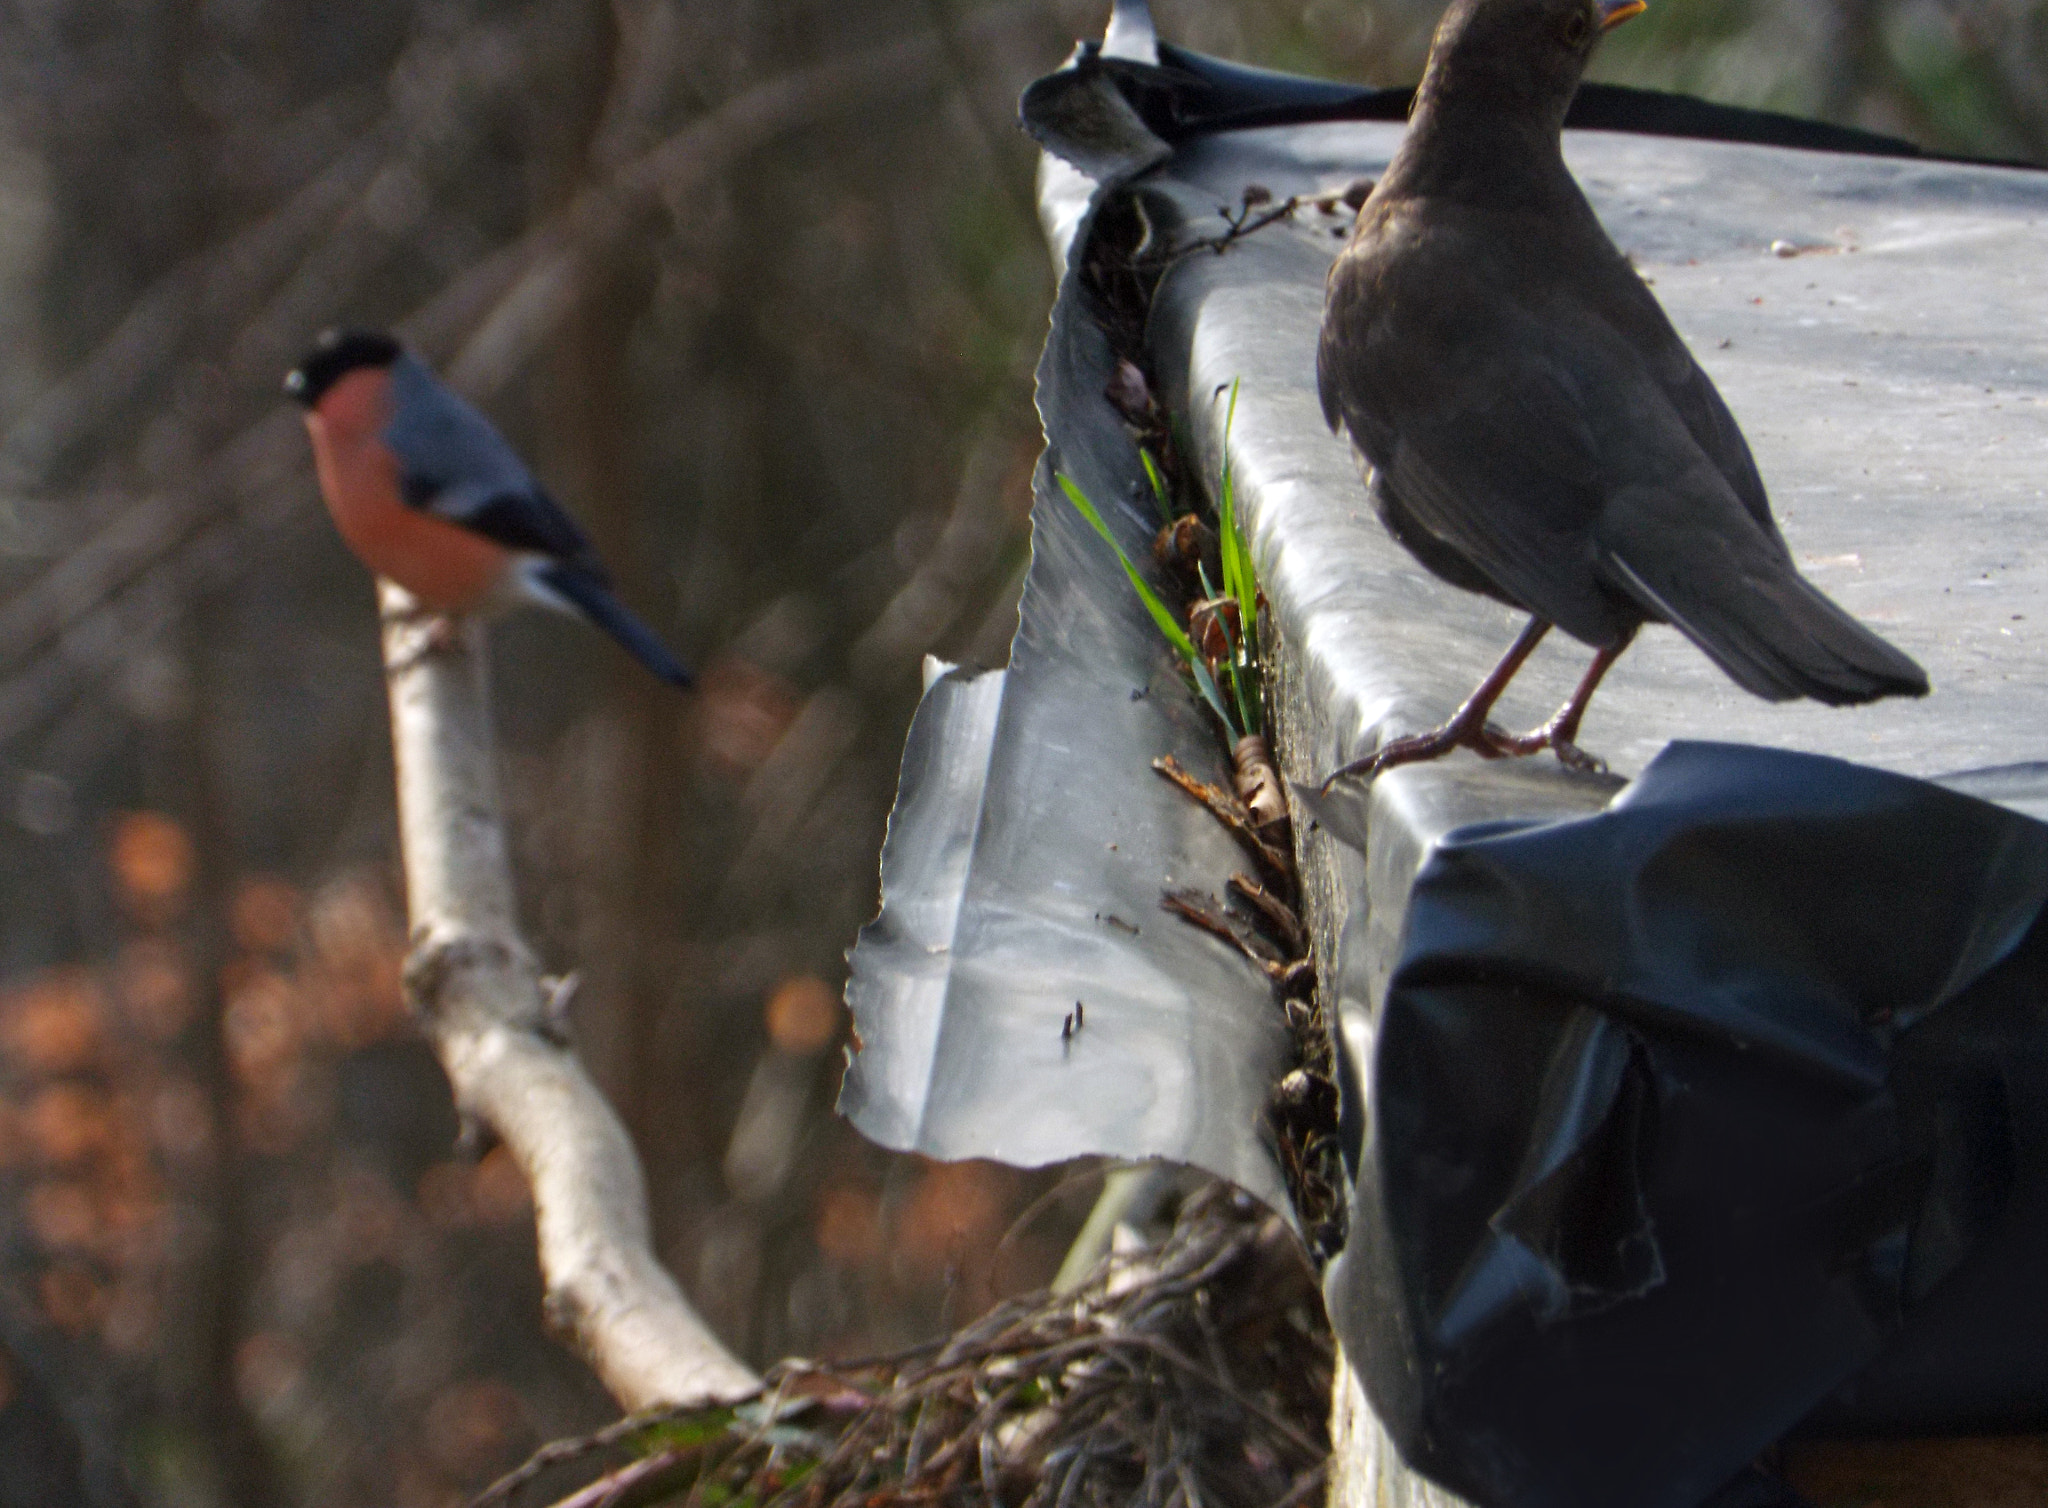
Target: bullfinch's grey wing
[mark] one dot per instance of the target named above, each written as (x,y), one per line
(430,496)
(454,464)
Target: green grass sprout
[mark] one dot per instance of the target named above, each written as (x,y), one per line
(1159,492)
(1162,615)
(1232,688)
(1241,581)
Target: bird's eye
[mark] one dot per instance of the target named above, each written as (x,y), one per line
(1577,27)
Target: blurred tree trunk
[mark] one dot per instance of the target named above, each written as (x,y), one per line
(218,1263)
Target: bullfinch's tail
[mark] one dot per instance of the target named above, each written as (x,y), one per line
(563,585)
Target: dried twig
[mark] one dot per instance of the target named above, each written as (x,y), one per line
(1233,814)
(1242,222)
(479,996)
(1203,912)
(1278,914)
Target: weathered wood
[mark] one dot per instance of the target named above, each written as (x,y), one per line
(1365,1469)
(2009,1472)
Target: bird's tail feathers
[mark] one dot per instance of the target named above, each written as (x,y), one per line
(566,588)
(1782,638)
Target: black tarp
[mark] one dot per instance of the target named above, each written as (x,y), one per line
(1720,1110)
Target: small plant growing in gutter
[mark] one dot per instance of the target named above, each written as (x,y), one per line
(1205,567)
(1220,644)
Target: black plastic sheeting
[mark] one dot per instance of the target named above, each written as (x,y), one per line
(1696,1116)
(1677,1123)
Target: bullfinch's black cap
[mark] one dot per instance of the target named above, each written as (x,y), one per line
(334,355)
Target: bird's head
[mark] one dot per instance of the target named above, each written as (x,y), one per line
(1519,55)
(334,355)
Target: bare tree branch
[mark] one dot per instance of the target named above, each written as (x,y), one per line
(479,995)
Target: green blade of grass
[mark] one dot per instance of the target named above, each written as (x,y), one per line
(1226,504)
(1161,615)
(1239,673)
(1240,578)
(1240,581)
(1206,684)
(1244,658)
(1158,485)
(1236,564)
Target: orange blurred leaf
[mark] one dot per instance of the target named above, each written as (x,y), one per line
(67,1123)
(53,1025)
(154,979)
(152,859)
(70,1297)
(475,1427)
(849,1230)
(260,1026)
(61,1215)
(356,989)
(498,1190)
(268,1365)
(803,1014)
(955,1206)
(742,711)
(264,915)
(444,1196)
(180,1119)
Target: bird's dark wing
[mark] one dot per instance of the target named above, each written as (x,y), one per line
(455,465)
(1616,293)
(1477,417)
(1533,439)
(1687,550)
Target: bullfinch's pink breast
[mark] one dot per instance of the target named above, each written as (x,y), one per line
(447,567)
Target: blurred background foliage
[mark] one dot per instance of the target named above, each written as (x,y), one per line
(757,285)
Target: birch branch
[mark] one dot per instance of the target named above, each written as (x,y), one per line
(480,998)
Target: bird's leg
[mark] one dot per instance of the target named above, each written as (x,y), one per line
(1558,734)
(427,631)
(1467,726)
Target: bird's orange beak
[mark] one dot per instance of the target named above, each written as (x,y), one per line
(1614,12)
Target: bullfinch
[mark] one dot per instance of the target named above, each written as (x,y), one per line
(430,496)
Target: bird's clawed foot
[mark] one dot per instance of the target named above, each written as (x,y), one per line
(1464,731)
(1572,757)
(1469,729)
(1554,736)
(1488,742)
(422,633)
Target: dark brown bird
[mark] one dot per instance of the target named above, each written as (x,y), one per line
(1532,426)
